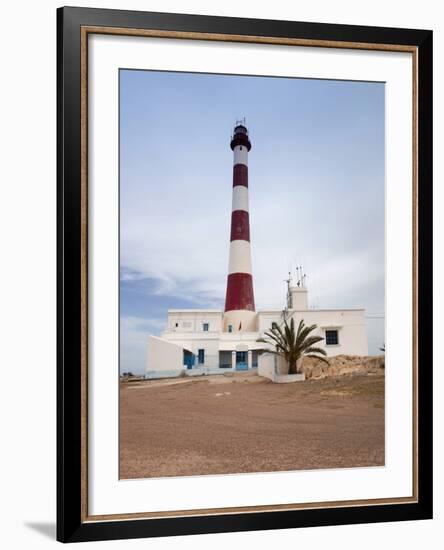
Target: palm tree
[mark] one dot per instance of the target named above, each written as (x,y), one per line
(292,345)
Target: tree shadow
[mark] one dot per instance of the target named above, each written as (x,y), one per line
(45,528)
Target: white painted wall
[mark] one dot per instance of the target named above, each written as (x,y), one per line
(193,320)
(239,340)
(194,341)
(246,317)
(266,365)
(163,355)
(240,257)
(211,348)
(351,326)
(266,318)
(240,155)
(240,198)
(275,369)
(299,298)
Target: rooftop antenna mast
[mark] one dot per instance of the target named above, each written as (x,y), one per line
(302,277)
(288,305)
(298,277)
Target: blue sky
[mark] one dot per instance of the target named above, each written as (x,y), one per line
(316,180)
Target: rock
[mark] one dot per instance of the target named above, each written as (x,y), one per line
(341,365)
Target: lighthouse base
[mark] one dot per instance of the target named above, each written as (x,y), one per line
(240,320)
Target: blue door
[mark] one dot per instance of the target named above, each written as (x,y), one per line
(188,359)
(241,360)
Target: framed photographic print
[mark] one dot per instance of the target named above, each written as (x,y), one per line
(244,274)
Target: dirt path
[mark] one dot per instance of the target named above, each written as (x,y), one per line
(218,425)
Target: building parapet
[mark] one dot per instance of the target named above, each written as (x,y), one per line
(199,311)
(310,310)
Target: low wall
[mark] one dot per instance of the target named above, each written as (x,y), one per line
(288,378)
(156,374)
(266,365)
(274,368)
(200,371)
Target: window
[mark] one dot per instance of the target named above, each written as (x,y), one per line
(177,324)
(230,328)
(331,338)
(201,356)
(206,326)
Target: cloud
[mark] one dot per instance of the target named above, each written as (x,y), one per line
(340,250)
(316,180)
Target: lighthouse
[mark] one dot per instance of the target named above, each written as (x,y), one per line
(239,315)
(210,341)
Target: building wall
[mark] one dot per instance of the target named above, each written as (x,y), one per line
(240,155)
(299,298)
(266,365)
(189,334)
(163,356)
(240,257)
(245,319)
(193,320)
(194,342)
(350,324)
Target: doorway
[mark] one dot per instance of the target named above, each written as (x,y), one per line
(241,360)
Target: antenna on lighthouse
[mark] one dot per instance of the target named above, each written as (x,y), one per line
(288,281)
(289,304)
(240,122)
(301,276)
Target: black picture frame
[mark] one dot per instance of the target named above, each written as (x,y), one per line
(71,523)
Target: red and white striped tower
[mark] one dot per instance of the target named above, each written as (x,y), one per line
(239,302)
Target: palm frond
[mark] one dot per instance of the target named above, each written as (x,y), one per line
(304,333)
(278,330)
(274,339)
(314,349)
(293,344)
(310,341)
(318,357)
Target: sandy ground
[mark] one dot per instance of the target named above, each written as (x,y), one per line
(244,423)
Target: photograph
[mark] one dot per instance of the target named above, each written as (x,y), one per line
(252,274)
(244,273)
(219,279)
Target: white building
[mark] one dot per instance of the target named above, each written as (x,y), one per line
(195,339)
(203,341)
